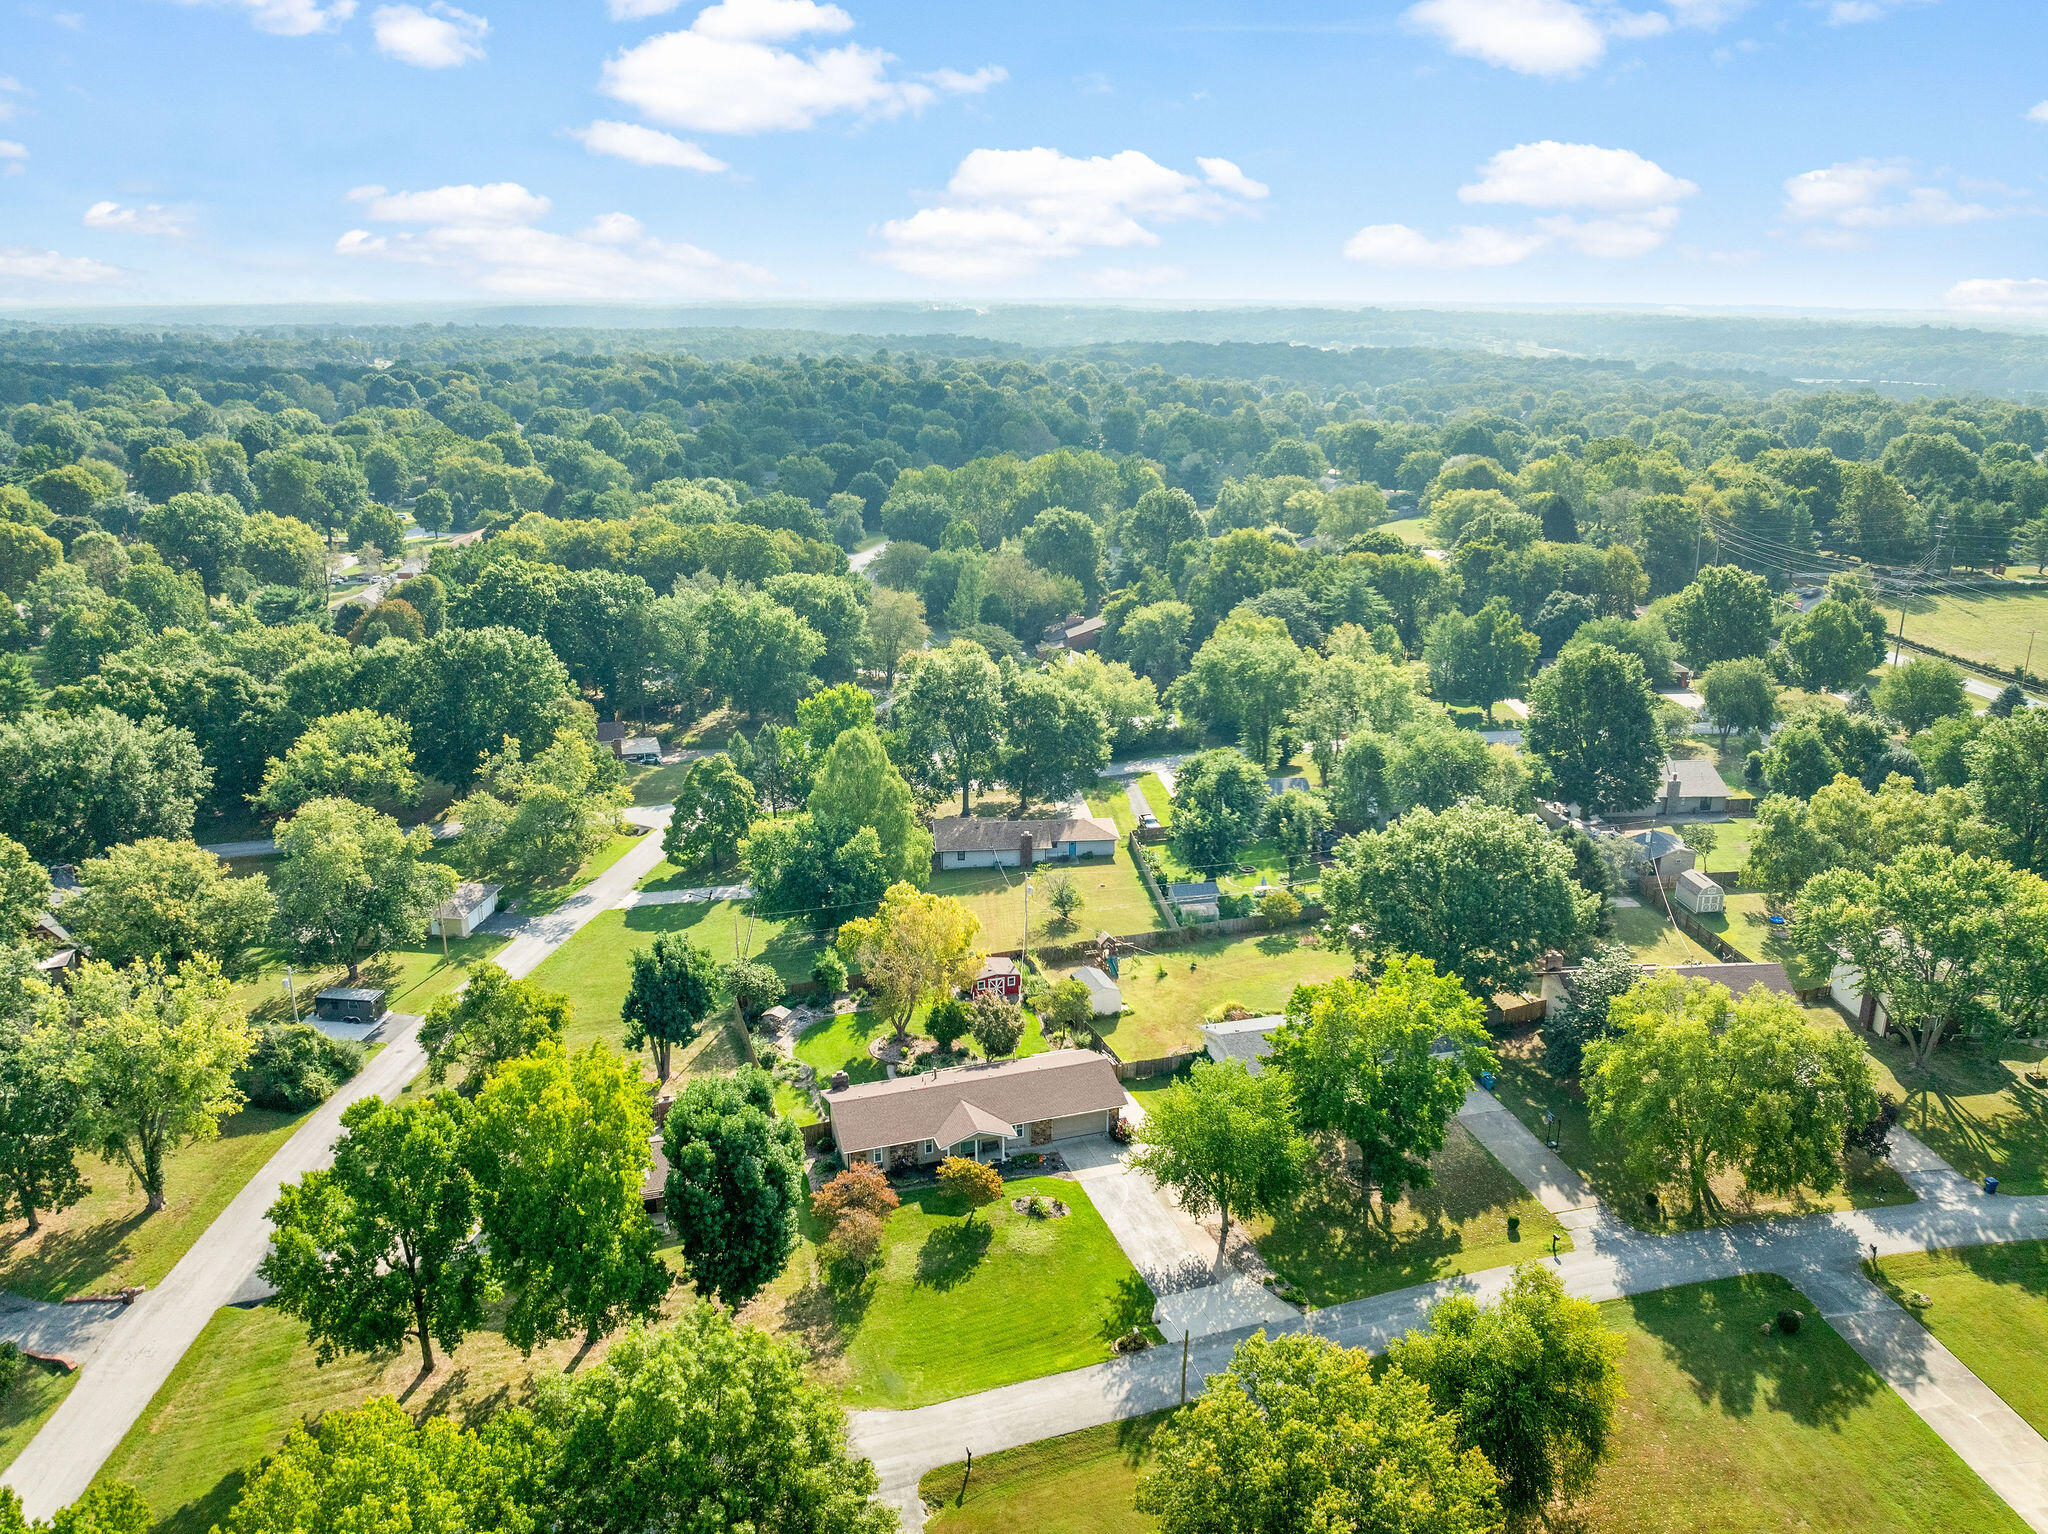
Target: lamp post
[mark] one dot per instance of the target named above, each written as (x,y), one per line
(291,994)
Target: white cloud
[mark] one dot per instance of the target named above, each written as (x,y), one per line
(1845,200)
(1848,13)
(723,73)
(2038,113)
(960,82)
(2001,295)
(13,157)
(636,10)
(438,37)
(20,263)
(1553,175)
(500,202)
(1532,37)
(1471,245)
(151,218)
(1226,177)
(489,237)
(645,146)
(1620,238)
(290,18)
(1007,212)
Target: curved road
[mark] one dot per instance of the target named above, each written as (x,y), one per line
(140,1351)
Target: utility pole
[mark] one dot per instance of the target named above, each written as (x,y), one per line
(290,993)
(1184,1368)
(2026,664)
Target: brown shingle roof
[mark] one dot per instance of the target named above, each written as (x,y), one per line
(977,833)
(913,1109)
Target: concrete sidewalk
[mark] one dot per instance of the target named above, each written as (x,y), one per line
(1541,1170)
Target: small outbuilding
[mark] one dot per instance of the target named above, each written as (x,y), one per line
(1105,999)
(644,749)
(1195,902)
(997,976)
(346,1012)
(465,910)
(1698,894)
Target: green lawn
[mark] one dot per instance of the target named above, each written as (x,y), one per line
(1335,1245)
(1158,797)
(656,785)
(1409,530)
(594,966)
(841,1044)
(39,1390)
(1526,1090)
(1989,1307)
(1110,801)
(1731,841)
(1652,938)
(1169,994)
(953,1307)
(1746,926)
(1113,899)
(107,1240)
(1974,1107)
(1724,1429)
(1262,857)
(1992,627)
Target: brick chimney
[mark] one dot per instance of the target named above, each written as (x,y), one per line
(841,1081)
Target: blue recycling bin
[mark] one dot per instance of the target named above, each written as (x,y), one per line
(1486,1080)
(1991,1185)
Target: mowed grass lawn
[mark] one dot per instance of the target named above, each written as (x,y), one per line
(955,1306)
(841,1044)
(252,1376)
(1650,936)
(1337,1245)
(1746,926)
(1113,899)
(108,1240)
(1989,626)
(1731,841)
(1989,1306)
(1527,1090)
(1169,993)
(1723,1430)
(1974,1107)
(37,1391)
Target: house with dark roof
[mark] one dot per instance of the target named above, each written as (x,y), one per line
(1558,978)
(1194,902)
(985,1111)
(975,841)
(1692,786)
(1243,1038)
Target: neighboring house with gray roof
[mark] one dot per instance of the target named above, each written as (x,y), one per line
(987,1112)
(1692,786)
(1244,1038)
(975,841)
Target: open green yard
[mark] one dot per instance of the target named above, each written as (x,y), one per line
(1109,800)
(656,785)
(106,1240)
(954,1307)
(39,1390)
(1731,842)
(1991,626)
(1724,1430)
(1974,1107)
(1652,938)
(1158,796)
(1409,530)
(1262,857)
(1171,992)
(1113,899)
(841,1044)
(1526,1090)
(1336,1245)
(1746,926)
(1989,1307)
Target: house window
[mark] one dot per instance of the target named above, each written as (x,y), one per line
(930,1149)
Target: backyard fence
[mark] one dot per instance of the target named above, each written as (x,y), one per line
(1713,942)
(1159,899)
(1165,1065)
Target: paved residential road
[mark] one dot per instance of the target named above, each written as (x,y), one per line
(140,1350)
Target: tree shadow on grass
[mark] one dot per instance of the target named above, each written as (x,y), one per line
(1274,944)
(1128,1308)
(951,1253)
(55,1263)
(207,1511)
(2011,1146)
(1714,1334)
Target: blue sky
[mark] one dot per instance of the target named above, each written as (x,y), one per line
(1814,153)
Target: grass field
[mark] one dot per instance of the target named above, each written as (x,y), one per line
(1974,1107)
(1746,926)
(1113,899)
(1989,1306)
(656,785)
(1526,1090)
(1723,1431)
(1262,857)
(1335,1245)
(842,1045)
(252,1376)
(1158,796)
(1409,530)
(955,1307)
(1170,993)
(39,1390)
(107,1240)
(1731,842)
(1652,938)
(1993,627)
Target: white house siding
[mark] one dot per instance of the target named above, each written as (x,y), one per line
(1009,857)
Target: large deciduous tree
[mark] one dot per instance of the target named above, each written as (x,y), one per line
(673,988)
(361,755)
(1593,727)
(490,1021)
(72,786)
(1247,677)
(1480,659)
(349,882)
(1218,798)
(559,1149)
(735,1183)
(1363,1062)
(715,807)
(536,820)
(1725,613)
(2008,766)
(1300,1433)
(914,946)
(856,785)
(379,1247)
(169,901)
(1224,1141)
(1740,695)
(1055,739)
(1478,890)
(951,707)
(1920,692)
(45,1114)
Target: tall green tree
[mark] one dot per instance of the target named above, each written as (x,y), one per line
(708,1416)
(1740,695)
(157,1055)
(559,1148)
(1055,739)
(169,901)
(45,1115)
(896,628)
(1218,797)
(856,785)
(735,1183)
(1724,614)
(1593,727)
(1364,1064)
(1533,1382)
(715,807)
(951,707)
(1920,692)
(1300,1434)
(72,786)
(1246,678)
(361,755)
(2008,767)
(380,1246)
(24,891)
(349,882)
(490,1022)
(1224,1140)
(1480,659)
(1479,891)
(1834,645)
(673,988)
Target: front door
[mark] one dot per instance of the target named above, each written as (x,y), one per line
(988,1149)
